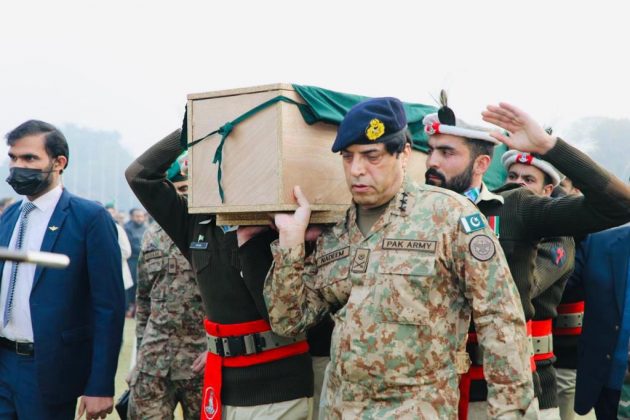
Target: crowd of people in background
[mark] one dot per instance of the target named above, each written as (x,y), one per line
(439,300)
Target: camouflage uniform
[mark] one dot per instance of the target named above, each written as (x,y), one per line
(169,329)
(402,299)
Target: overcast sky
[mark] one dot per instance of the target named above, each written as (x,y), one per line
(128,65)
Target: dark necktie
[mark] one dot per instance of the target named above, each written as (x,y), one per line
(26,209)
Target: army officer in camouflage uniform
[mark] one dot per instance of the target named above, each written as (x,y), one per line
(401,274)
(169,327)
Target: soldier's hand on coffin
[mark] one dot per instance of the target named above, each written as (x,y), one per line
(525,135)
(292,227)
(245,233)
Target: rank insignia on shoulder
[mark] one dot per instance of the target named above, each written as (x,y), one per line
(472,223)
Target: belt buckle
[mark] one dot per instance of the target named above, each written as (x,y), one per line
(251,344)
(226,346)
(236,345)
(241,345)
(18,352)
(215,345)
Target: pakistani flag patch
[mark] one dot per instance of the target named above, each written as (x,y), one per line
(472,223)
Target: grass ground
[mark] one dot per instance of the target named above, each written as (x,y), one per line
(124,363)
(124,360)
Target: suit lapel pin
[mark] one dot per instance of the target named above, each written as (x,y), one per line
(53,228)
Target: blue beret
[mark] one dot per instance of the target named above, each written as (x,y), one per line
(371,121)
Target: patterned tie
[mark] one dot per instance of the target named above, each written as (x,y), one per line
(26,209)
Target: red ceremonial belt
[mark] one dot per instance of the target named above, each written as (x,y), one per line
(569,320)
(475,373)
(211,403)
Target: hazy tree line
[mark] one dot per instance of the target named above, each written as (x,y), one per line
(96,167)
(98,159)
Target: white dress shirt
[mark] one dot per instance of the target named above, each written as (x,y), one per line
(125,250)
(19,327)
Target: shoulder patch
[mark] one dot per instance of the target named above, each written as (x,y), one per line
(482,247)
(559,256)
(333,256)
(472,223)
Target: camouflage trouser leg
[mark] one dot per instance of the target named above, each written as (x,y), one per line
(189,396)
(152,397)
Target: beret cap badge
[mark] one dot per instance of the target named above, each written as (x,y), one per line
(375,130)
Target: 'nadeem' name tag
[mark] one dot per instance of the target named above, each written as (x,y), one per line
(333,256)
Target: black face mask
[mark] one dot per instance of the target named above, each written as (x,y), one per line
(29,182)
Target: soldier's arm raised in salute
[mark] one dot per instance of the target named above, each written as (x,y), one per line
(147,178)
(606,199)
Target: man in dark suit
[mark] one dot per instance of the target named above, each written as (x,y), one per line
(60,330)
(602,268)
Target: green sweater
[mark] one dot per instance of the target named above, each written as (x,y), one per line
(551,274)
(230,278)
(525,218)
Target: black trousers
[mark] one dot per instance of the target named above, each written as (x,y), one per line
(607,404)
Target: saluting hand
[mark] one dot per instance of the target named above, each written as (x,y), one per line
(292,227)
(526,134)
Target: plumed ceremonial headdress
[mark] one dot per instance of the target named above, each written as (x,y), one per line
(445,122)
(514,156)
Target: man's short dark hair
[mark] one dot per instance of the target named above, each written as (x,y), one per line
(135,209)
(558,192)
(54,140)
(396,144)
(547,179)
(479,147)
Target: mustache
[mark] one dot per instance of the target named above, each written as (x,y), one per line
(434,172)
